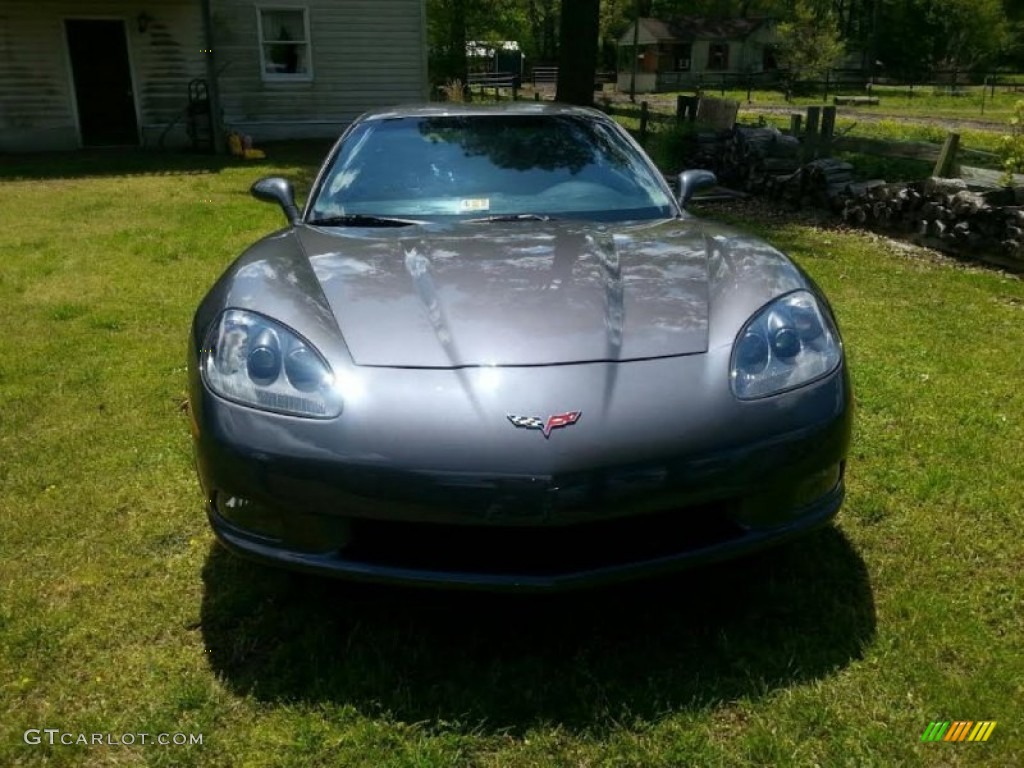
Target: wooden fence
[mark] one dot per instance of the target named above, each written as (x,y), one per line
(816,130)
(819,139)
(841,82)
(545,76)
(495,81)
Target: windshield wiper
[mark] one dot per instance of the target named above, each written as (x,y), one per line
(511,217)
(361,220)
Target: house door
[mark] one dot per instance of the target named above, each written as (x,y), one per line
(103,82)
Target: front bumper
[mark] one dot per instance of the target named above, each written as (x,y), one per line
(707,542)
(611,499)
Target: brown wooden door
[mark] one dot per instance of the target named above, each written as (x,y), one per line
(103,82)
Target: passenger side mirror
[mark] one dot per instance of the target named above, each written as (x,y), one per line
(691,182)
(274,189)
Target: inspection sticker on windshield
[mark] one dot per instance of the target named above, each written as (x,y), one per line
(474,205)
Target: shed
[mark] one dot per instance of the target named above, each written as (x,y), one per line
(679,53)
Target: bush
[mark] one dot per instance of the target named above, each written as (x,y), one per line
(672,147)
(1011,149)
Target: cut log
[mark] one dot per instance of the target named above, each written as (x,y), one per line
(855,101)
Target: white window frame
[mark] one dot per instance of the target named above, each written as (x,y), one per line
(284,77)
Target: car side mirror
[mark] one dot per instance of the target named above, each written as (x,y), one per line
(691,182)
(274,189)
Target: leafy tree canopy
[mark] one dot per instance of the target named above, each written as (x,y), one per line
(917,36)
(907,36)
(809,43)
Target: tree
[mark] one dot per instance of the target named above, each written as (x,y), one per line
(916,37)
(543,19)
(1014,54)
(577,60)
(810,42)
(446,34)
(616,18)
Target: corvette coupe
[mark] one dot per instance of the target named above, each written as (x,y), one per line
(493,350)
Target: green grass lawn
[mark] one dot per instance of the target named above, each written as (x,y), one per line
(967,103)
(118,614)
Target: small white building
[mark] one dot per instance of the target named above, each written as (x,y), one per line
(79,73)
(680,53)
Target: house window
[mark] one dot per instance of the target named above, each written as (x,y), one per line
(718,56)
(682,57)
(284,43)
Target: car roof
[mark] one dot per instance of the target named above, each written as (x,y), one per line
(451,109)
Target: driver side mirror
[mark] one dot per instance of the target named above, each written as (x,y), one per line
(691,182)
(274,189)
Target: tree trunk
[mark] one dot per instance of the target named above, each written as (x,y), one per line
(577,59)
(541,16)
(457,41)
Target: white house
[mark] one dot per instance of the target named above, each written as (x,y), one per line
(78,73)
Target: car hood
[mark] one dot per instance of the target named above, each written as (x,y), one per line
(523,293)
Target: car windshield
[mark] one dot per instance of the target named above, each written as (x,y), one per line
(490,166)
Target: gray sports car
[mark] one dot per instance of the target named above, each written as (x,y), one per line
(494,351)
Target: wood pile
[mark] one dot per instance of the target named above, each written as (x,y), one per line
(753,157)
(768,162)
(944,213)
(819,183)
(708,150)
(940,213)
(856,101)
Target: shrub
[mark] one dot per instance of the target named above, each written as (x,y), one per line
(1011,149)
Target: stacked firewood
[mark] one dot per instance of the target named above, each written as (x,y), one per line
(942,213)
(818,183)
(942,210)
(767,162)
(753,158)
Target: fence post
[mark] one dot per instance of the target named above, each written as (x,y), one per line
(795,124)
(828,74)
(643,122)
(536,95)
(828,128)
(945,166)
(811,136)
(686,108)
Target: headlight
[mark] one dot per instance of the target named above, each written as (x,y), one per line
(255,361)
(787,344)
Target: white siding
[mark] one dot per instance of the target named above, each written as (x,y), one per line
(646,82)
(35,97)
(365,53)
(36,94)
